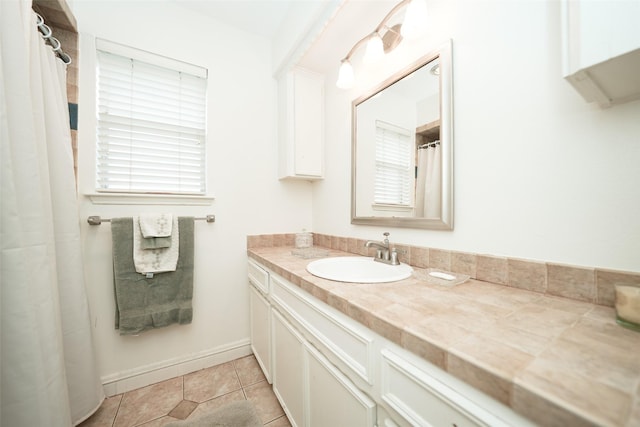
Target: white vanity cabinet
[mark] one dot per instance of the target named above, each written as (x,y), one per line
(310,389)
(601,49)
(422,397)
(260,310)
(329,370)
(333,398)
(301,125)
(289,369)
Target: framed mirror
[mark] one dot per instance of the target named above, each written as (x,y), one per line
(402,148)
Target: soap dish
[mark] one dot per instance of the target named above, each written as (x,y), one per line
(436,276)
(628,306)
(308,253)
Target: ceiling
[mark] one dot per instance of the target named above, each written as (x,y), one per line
(265,17)
(262,17)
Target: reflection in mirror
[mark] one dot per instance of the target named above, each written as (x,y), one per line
(402,148)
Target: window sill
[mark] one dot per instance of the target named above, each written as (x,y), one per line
(149,199)
(393,208)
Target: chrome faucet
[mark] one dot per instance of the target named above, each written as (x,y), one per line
(384,253)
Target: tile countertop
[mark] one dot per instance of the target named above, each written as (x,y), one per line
(557,361)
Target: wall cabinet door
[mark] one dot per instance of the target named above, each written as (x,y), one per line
(288,368)
(301,124)
(333,400)
(261,330)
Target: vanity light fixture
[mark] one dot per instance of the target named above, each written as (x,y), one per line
(384,38)
(375,49)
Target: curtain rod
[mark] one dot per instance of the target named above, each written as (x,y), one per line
(429,144)
(47,34)
(97,220)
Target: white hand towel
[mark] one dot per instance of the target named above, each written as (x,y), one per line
(155,260)
(155,225)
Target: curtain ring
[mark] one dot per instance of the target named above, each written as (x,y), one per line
(45,33)
(64,57)
(55,44)
(39,19)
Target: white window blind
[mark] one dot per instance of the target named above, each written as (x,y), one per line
(151,123)
(393,165)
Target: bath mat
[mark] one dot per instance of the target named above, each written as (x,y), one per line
(236,414)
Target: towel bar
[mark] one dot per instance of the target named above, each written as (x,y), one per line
(97,220)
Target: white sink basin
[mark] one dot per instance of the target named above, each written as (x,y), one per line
(358,270)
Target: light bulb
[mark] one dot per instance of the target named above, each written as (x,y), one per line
(415,20)
(375,49)
(345,75)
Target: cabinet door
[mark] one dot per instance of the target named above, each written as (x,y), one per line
(288,368)
(308,124)
(333,400)
(301,125)
(261,330)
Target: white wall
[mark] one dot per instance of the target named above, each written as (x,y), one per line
(539,173)
(241,146)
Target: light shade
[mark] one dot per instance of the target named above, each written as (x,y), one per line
(415,20)
(375,49)
(345,75)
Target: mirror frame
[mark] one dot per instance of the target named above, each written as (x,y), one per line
(445,222)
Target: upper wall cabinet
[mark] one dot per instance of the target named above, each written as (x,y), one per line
(601,49)
(301,124)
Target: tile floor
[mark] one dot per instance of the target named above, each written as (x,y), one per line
(192,395)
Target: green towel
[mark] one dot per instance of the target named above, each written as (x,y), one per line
(155,242)
(142,303)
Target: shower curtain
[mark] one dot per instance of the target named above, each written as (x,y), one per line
(429,183)
(47,362)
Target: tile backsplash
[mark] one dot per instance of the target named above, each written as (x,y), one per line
(591,285)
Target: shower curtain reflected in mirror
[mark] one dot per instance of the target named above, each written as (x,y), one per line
(48,372)
(429,182)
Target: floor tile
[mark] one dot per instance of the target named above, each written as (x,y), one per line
(211,382)
(248,370)
(183,409)
(283,421)
(104,416)
(148,403)
(159,422)
(218,402)
(262,396)
(175,399)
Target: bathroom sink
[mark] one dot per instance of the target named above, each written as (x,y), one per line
(358,270)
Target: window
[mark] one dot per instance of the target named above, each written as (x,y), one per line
(393,165)
(151,123)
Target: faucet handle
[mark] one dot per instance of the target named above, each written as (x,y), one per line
(394,257)
(385,234)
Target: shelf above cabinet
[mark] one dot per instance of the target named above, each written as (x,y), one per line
(428,132)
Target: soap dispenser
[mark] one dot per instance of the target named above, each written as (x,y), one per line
(304,239)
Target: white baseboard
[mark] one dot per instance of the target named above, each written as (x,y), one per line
(142,376)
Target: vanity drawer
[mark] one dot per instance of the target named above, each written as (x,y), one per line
(422,396)
(258,276)
(326,328)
